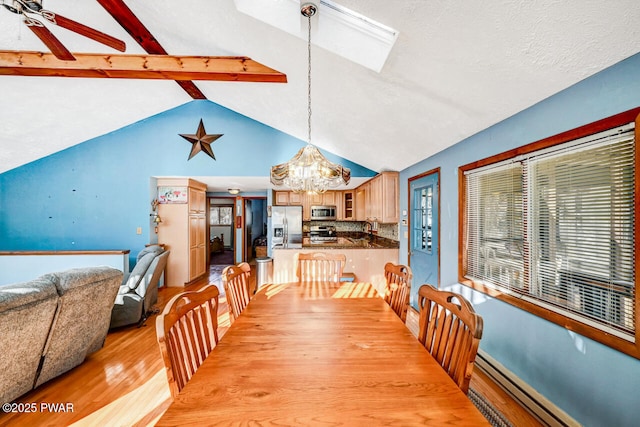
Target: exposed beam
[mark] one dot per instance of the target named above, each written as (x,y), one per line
(136,29)
(165,67)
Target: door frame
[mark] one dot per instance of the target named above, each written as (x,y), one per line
(409,210)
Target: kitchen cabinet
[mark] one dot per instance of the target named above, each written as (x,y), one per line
(308,201)
(197,233)
(347,206)
(362,202)
(389,194)
(281,198)
(290,198)
(329,198)
(183,231)
(377,199)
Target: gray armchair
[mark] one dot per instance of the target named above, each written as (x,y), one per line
(139,290)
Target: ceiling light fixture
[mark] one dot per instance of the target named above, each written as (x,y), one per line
(309,171)
(234,191)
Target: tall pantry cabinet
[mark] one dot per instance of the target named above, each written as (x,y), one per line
(183,230)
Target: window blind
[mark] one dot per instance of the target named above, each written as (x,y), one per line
(557,227)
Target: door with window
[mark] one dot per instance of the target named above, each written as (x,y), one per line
(424,258)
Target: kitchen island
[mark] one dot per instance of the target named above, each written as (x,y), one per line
(366,257)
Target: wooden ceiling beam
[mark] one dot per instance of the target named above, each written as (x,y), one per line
(136,29)
(165,67)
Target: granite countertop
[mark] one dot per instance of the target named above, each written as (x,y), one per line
(353,241)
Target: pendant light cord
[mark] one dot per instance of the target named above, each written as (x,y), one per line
(309,78)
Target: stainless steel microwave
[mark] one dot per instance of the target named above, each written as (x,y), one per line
(324,213)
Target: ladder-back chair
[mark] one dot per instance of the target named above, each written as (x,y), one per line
(320,266)
(398,288)
(187,331)
(235,279)
(451,331)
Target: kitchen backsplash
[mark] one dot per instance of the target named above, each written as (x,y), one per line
(388,231)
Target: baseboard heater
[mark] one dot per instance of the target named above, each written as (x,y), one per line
(539,406)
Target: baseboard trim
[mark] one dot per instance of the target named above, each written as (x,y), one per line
(538,405)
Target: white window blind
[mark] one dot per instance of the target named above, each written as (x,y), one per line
(556,227)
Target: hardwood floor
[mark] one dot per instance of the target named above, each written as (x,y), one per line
(124,384)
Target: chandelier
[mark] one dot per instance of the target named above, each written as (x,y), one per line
(309,171)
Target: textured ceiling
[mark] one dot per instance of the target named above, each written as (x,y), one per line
(457,68)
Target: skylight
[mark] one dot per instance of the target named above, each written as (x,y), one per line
(337,29)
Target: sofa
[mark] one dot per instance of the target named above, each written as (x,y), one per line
(139,289)
(50,324)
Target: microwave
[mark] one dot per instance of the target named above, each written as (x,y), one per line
(324,213)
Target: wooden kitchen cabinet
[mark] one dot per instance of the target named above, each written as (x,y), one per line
(290,198)
(377,199)
(329,198)
(183,231)
(362,202)
(348,205)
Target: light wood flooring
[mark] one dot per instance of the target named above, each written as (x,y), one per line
(124,383)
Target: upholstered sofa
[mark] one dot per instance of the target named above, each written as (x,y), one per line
(139,290)
(50,324)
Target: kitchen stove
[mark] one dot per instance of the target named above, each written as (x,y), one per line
(322,233)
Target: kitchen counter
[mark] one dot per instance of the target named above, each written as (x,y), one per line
(366,257)
(353,241)
(366,262)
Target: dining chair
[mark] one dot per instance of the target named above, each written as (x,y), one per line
(235,279)
(187,331)
(320,266)
(398,288)
(450,330)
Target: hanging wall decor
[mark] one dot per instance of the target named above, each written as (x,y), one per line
(201,141)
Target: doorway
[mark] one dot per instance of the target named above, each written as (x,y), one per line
(221,231)
(424,226)
(255,227)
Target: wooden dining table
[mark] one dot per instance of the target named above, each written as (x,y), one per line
(320,354)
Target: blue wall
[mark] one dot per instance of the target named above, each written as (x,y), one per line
(94,195)
(592,383)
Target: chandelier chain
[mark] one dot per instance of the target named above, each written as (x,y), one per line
(309,79)
(309,171)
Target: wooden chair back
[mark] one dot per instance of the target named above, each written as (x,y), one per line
(451,331)
(320,266)
(235,279)
(398,288)
(187,331)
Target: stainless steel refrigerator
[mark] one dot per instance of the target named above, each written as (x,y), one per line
(286,227)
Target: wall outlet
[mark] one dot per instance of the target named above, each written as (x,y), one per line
(139,230)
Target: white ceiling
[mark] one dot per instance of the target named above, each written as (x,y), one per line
(456,68)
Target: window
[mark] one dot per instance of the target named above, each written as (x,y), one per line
(221,215)
(550,228)
(423,219)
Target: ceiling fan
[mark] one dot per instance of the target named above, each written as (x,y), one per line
(27,8)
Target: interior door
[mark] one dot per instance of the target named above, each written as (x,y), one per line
(424,253)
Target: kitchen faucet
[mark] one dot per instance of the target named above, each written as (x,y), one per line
(368,225)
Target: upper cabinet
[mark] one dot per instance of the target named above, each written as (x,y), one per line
(347,205)
(375,200)
(289,198)
(380,198)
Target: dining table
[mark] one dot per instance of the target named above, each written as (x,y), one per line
(320,354)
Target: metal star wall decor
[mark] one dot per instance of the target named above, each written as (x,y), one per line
(201,141)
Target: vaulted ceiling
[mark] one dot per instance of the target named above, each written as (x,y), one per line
(456,68)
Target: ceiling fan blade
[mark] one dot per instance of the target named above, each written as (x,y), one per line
(55,46)
(83,30)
